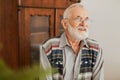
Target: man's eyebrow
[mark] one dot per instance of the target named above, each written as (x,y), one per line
(78,16)
(81,17)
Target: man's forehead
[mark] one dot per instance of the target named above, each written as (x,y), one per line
(78,11)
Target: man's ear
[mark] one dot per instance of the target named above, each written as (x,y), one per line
(64,23)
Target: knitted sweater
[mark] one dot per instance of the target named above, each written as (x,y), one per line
(89,62)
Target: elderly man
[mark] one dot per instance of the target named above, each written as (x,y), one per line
(73,54)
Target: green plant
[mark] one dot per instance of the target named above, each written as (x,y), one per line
(29,73)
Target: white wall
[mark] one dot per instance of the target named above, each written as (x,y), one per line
(105,28)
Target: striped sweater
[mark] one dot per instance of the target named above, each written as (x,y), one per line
(89,65)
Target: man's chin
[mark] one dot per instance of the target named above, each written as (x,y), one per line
(82,37)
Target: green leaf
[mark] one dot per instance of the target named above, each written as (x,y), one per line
(29,73)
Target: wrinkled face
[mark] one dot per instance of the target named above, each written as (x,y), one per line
(77,23)
(78,17)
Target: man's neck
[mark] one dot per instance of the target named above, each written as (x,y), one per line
(75,44)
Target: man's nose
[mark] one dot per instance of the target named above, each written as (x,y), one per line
(82,23)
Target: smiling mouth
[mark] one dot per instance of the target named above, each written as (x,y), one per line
(82,29)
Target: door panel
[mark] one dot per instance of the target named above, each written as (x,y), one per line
(38,26)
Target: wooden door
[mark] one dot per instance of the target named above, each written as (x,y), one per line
(9,33)
(35,26)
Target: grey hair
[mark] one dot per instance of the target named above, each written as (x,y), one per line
(66,13)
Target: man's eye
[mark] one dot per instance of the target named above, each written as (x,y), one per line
(78,19)
(87,19)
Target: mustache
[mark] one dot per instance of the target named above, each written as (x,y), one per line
(82,28)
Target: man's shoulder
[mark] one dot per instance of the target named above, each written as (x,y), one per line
(51,42)
(93,43)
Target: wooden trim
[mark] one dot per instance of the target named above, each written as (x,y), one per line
(21,25)
(46,3)
(59,12)
(2,24)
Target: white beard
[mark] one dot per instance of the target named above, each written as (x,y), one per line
(77,34)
